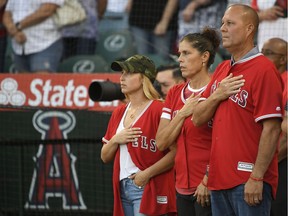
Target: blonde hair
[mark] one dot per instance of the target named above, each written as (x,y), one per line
(149,91)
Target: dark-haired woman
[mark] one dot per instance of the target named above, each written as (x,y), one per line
(197,52)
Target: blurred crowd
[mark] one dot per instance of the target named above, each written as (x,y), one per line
(30,40)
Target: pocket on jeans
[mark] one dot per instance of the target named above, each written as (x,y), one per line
(139,187)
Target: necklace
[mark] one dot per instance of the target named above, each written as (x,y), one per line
(133,114)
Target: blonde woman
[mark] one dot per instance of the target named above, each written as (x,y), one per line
(142,176)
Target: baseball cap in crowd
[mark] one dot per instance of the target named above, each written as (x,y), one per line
(137,64)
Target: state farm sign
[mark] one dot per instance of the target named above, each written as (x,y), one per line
(65,91)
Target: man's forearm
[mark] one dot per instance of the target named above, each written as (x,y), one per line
(267,146)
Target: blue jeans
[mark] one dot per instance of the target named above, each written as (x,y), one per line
(148,43)
(131,196)
(231,202)
(46,60)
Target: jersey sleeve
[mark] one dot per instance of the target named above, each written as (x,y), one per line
(112,124)
(254,5)
(166,111)
(211,86)
(267,94)
(108,135)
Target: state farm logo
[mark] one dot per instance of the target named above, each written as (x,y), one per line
(56,93)
(48,94)
(9,93)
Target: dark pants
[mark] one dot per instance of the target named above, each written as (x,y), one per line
(279,205)
(78,46)
(187,206)
(3,45)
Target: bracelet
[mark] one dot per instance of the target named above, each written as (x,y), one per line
(202,182)
(255,179)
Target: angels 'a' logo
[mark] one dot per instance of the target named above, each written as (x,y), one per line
(54,173)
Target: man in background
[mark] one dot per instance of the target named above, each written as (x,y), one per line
(168,76)
(35,39)
(275,49)
(244,99)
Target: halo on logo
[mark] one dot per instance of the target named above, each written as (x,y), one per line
(115,42)
(4,98)
(9,85)
(84,66)
(17,98)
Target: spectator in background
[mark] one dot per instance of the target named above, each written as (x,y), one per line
(197,52)
(196,14)
(167,77)
(247,2)
(81,39)
(275,49)
(36,41)
(273,19)
(143,177)
(154,25)
(115,17)
(246,117)
(3,37)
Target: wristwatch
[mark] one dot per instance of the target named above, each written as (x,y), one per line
(18,26)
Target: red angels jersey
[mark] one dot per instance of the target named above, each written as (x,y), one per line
(193,143)
(159,196)
(237,122)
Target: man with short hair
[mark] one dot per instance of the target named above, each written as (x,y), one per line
(244,99)
(168,76)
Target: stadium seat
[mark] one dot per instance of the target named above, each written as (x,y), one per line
(160,61)
(218,59)
(9,66)
(116,45)
(84,64)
